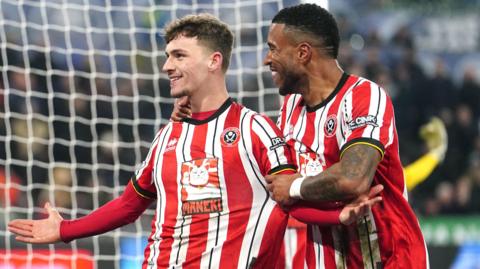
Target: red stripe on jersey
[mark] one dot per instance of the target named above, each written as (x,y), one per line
(328,247)
(281,262)
(278,218)
(169,182)
(388,120)
(199,224)
(299,257)
(148,249)
(310,256)
(146,170)
(355,254)
(238,189)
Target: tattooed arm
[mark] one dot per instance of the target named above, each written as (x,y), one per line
(345,180)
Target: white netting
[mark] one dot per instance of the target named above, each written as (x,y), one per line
(82,96)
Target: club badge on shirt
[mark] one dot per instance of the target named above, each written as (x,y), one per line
(201,192)
(230,137)
(330,125)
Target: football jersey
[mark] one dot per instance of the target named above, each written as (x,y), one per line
(213,209)
(357,112)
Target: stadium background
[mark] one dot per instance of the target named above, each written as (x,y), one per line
(82,96)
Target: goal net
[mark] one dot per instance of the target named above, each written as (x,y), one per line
(82,95)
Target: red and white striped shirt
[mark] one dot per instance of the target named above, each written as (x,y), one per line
(213,209)
(358,111)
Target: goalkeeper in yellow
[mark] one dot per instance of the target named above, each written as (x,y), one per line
(435,136)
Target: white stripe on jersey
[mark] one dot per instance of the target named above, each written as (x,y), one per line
(261,127)
(259,193)
(156,140)
(320,121)
(368,241)
(161,202)
(317,246)
(347,105)
(290,246)
(299,129)
(292,102)
(378,101)
(212,260)
(181,233)
(390,134)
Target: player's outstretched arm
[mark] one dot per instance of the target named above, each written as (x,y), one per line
(44,231)
(349,213)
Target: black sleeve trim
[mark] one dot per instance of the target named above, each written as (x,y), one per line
(142,192)
(282,168)
(366,141)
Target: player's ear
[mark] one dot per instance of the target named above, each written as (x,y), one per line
(215,61)
(304,52)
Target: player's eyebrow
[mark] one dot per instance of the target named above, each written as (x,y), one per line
(270,44)
(174,51)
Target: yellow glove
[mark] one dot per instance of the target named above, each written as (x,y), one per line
(435,136)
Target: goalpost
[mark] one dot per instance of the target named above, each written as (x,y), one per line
(82,95)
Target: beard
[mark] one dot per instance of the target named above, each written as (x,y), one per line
(290,83)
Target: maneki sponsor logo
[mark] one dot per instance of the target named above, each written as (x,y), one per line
(310,164)
(201,187)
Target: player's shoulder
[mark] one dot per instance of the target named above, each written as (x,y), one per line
(363,85)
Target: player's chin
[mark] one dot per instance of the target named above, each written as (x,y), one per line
(178,93)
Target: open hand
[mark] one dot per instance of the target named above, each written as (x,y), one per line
(44,231)
(360,206)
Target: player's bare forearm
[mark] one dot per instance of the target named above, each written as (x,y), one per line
(346,179)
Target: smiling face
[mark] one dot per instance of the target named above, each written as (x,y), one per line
(186,65)
(281,60)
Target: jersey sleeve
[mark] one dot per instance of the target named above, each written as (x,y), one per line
(272,153)
(121,211)
(367,118)
(142,181)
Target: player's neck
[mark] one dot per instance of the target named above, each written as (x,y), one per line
(322,81)
(208,99)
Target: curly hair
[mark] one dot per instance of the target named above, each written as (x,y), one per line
(313,21)
(209,30)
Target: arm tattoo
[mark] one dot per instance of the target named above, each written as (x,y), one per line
(343,180)
(360,161)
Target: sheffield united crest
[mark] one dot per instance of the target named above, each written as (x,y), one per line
(330,125)
(230,137)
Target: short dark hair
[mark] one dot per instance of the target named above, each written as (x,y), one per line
(314,21)
(209,30)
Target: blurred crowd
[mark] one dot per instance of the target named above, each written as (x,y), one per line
(454,187)
(69,127)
